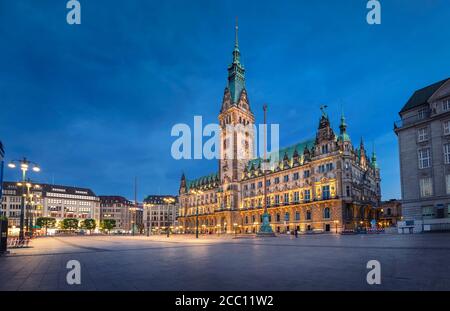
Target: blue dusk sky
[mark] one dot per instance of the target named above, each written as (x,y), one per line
(94,103)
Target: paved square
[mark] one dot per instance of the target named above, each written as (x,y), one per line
(313,262)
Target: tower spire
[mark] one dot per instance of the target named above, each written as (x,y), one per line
(236,39)
(236,71)
(374,156)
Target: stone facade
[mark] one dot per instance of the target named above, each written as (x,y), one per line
(424,149)
(390,213)
(322,184)
(160,214)
(120,209)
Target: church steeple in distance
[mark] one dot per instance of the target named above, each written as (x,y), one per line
(236,71)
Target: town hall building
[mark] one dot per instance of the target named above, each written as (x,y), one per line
(321,184)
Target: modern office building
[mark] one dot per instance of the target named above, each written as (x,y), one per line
(324,183)
(424,150)
(47,200)
(160,213)
(120,209)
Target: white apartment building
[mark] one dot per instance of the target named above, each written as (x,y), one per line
(48,200)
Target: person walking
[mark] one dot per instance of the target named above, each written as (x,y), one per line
(296,233)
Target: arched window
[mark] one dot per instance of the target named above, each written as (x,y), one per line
(286,216)
(278,217)
(389,212)
(246,219)
(308,215)
(326,212)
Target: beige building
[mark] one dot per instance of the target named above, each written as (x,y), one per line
(321,184)
(390,213)
(120,209)
(160,214)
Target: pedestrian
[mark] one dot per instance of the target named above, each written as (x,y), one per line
(296,233)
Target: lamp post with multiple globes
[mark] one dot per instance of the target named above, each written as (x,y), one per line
(24,165)
(197,193)
(168,201)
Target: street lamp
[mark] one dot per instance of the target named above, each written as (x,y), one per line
(30,203)
(148,209)
(168,201)
(336,222)
(197,193)
(24,166)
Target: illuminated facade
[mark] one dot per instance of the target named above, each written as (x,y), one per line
(47,200)
(160,213)
(321,184)
(118,208)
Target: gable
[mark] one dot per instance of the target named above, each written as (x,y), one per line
(421,97)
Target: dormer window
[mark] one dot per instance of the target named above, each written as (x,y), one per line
(324,149)
(422,113)
(446,104)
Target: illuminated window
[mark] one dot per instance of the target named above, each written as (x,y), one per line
(326,192)
(307,195)
(296,197)
(286,216)
(326,213)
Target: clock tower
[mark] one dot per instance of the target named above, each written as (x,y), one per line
(237,131)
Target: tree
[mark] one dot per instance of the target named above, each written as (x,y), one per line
(88,224)
(46,222)
(69,224)
(108,224)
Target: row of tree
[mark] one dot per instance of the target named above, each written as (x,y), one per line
(74,224)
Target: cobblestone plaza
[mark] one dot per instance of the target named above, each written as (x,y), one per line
(310,262)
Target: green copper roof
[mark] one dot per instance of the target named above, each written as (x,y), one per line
(208,181)
(343,136)
(374,160)
(289,151)
(236,72)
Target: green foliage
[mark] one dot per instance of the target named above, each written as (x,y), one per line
(46,222)
(69,224)
(108,224)
(88,224)
(3,218)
